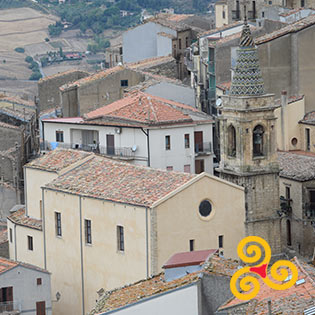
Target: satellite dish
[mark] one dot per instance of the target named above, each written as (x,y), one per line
(218,102)
(134,148)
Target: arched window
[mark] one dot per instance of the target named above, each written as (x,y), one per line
(231,141)
(258,141)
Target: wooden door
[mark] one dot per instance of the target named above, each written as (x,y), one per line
(40,308)
(110,144)
(198,135)
(199,166)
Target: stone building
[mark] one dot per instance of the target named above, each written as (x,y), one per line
(48,87)
(297,190)
(248,144)
(99,89)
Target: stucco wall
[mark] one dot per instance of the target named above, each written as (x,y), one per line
(181,211)
(144,36)
(26,292)
(219,19)
(303,143)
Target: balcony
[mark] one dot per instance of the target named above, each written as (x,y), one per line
(309,210)
(10,308)
(203,148)
(124,153)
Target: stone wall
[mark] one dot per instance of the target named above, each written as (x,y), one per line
(9,136)
(48,88)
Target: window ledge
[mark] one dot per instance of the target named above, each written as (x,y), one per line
(259,157)
(120,252)
(88,244)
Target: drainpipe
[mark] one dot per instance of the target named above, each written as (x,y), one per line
(15,249)
(81,252)
(25,191)
(284,101)
(148,144)
(147,241)
(43,227)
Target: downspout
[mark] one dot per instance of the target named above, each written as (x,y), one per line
(147,241)
(15,249)
(81,252)
(44,230)
(25,191)
(148,144)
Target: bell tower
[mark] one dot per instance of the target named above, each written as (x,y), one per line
(248,144)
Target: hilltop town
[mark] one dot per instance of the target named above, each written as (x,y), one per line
(140,147)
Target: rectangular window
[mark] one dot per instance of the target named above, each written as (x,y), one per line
(187,168)
(11,238)
(179,44)
(287,193)
(59,136)
(220,241)
(187,44)
(39,281)
(167,142)
(29,242)
(191,245)
(40,208)
(187,142)
(169,168)
(307,139)
(123,82)
(88,232)
(120,238)
(58,223)
(223,14)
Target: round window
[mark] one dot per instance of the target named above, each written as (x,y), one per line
(294,141)
(205,208)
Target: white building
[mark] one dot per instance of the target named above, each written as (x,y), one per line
(143,129)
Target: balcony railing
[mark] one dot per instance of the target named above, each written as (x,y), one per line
(125,152)
(309,210)
(10,308)
(203,148)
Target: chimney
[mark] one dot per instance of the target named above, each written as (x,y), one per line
(284,103)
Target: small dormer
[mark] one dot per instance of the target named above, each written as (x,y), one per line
(181,264)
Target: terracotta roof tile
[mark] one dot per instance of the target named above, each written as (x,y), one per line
(291,301)
(146,109)
(7,264)
(292,28)
(18,217)
(143,289)
(59,74)
(119,182)
(297,165)
(309,118)
(150,62)
(4,125)
(57,159)
(3,236)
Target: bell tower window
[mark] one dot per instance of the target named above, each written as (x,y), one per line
(231,141)
(258,141)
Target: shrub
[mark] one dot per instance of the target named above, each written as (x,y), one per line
(29,59)
(20,50)
(35,76)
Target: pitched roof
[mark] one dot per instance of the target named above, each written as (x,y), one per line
(309,118)
(17,108)
(7,264)
(96,76)
(290,301)
(58,159)
(141,290)
(149,62)
(3,236)
(106,179)
(297,165)
(18,217)
(291,28)
(148,110)
(189,258)
(5,125)
(59,74)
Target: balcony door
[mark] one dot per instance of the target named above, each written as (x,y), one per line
(110,144)
(40,308)
(198,135)
(199,166)
(6,299)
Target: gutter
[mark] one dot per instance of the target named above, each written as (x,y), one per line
(148,144)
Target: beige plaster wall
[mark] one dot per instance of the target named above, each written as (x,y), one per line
(289,127)
(19,239)
(103,265)
(303,137)
(219,20)
(178,219)
(35,179)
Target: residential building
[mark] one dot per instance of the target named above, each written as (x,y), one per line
(201,285)
(106,218)
(285,61)
(297,190)
(24,289)
(4,242)
(299,299)
(163,35)
(307,132)
(99,89)
(48,87)
(248,144)
(143,129)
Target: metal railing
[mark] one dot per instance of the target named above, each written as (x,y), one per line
(203,148)
(112,151)
(10,307)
